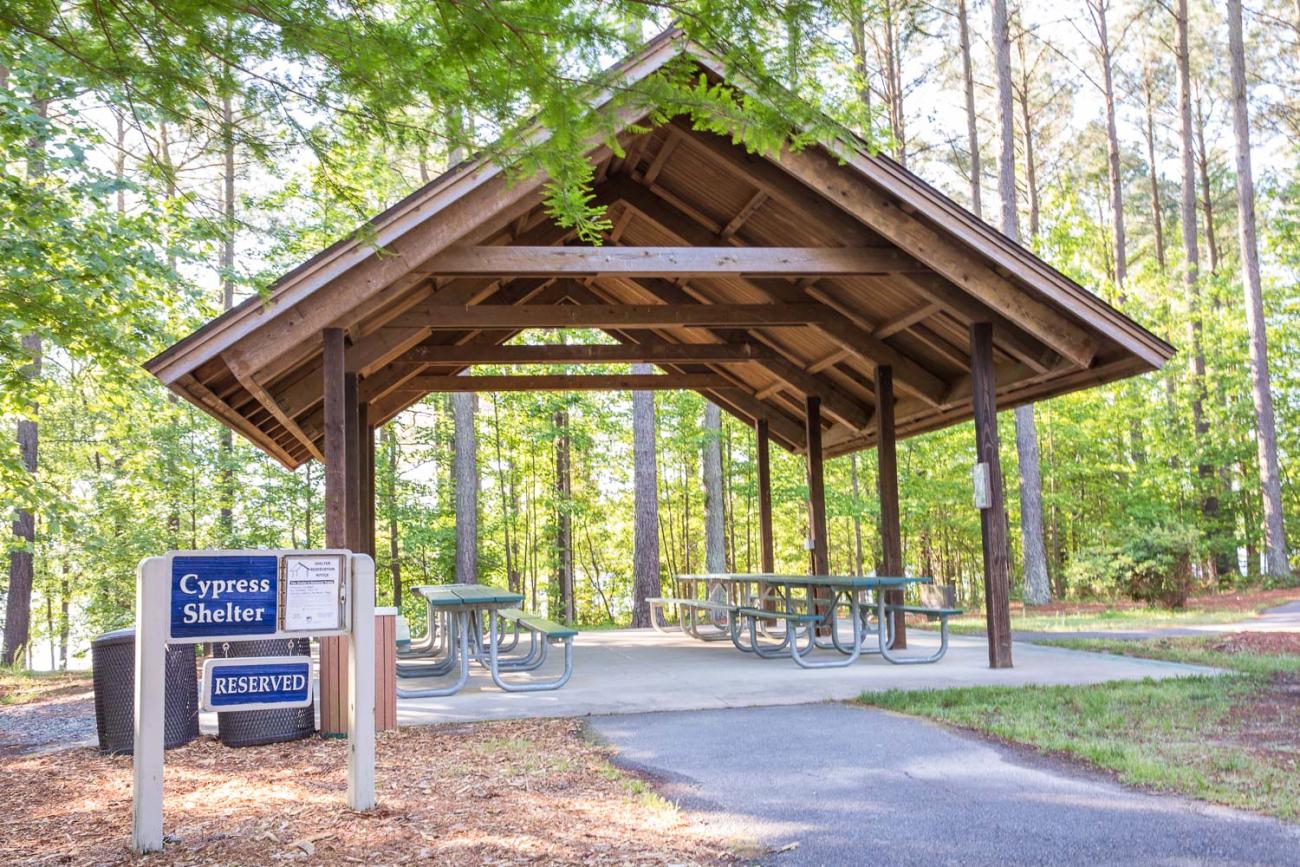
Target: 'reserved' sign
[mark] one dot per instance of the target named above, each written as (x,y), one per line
(223,597)
(256,683)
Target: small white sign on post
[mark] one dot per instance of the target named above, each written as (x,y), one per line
(192,596)
(314,593)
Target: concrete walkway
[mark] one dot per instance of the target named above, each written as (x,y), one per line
(635,670)
(853,786)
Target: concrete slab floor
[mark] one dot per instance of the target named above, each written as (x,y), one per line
(638,670)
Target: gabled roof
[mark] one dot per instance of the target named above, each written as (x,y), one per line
(926,268)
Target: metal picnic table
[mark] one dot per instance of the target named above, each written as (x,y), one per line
(463,621)
(738,607)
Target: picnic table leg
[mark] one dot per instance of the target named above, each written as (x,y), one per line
(430,665)
(662,628)
(833,663)
(773,651)
(459,638)
(527,687)
(918,660)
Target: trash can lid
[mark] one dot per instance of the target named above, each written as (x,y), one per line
(117,636)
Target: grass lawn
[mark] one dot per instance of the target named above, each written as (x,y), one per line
(1118,620)
(1232,739)
(23,687)
(1120,615)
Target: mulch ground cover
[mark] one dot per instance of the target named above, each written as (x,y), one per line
(515,792)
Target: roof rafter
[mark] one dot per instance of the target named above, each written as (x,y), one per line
(911,376)
(875,210)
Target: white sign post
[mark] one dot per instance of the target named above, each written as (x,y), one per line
(193,596)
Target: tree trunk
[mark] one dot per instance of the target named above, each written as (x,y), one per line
(1098,8)
(390,494)
(888,50)
(858,33)
(715,539)
(1027,121)
(65,619)
(1192,265)
(1031,494)
(645,518)
(22,567)
(857,517)
(507,500)
(465,473)
(1276,555)
(1157,218)
(972,130)
(1207,195)
(226,446)
(564,516)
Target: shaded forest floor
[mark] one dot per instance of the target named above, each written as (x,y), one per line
(1124,614)
(24,687)
(1232,739)
(517,792)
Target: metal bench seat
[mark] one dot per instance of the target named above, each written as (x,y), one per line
(940,614)
(687,616)
(541,634)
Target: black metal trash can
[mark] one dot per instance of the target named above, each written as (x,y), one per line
(113,661)
(251,728)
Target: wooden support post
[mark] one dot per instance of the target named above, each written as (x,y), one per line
(335,441)
(891,536)
(367,479)
(352,461)
(993,520)
(333,651)
(817,504)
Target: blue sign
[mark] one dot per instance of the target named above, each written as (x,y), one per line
(215,598)
(257,684)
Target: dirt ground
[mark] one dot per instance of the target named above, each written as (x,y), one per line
(1268,726)
(516,792)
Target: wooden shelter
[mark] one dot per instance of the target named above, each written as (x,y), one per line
(834,301)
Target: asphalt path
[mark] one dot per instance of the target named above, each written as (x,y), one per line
(839,784)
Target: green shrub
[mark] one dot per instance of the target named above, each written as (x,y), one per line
(1152,563)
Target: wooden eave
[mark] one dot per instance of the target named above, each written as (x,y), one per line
(900,273)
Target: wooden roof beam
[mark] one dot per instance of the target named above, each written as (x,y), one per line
(567,382)
(256,389)
(907,320)
(649,352)
(201,396)
(623,316)
(755,202)
(691,261)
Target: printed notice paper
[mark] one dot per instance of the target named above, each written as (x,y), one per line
(312,597)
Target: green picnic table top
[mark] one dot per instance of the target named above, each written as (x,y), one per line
(452,595)
(856,582)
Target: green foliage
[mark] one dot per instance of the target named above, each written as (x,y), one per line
(340,111)
(1149,562)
